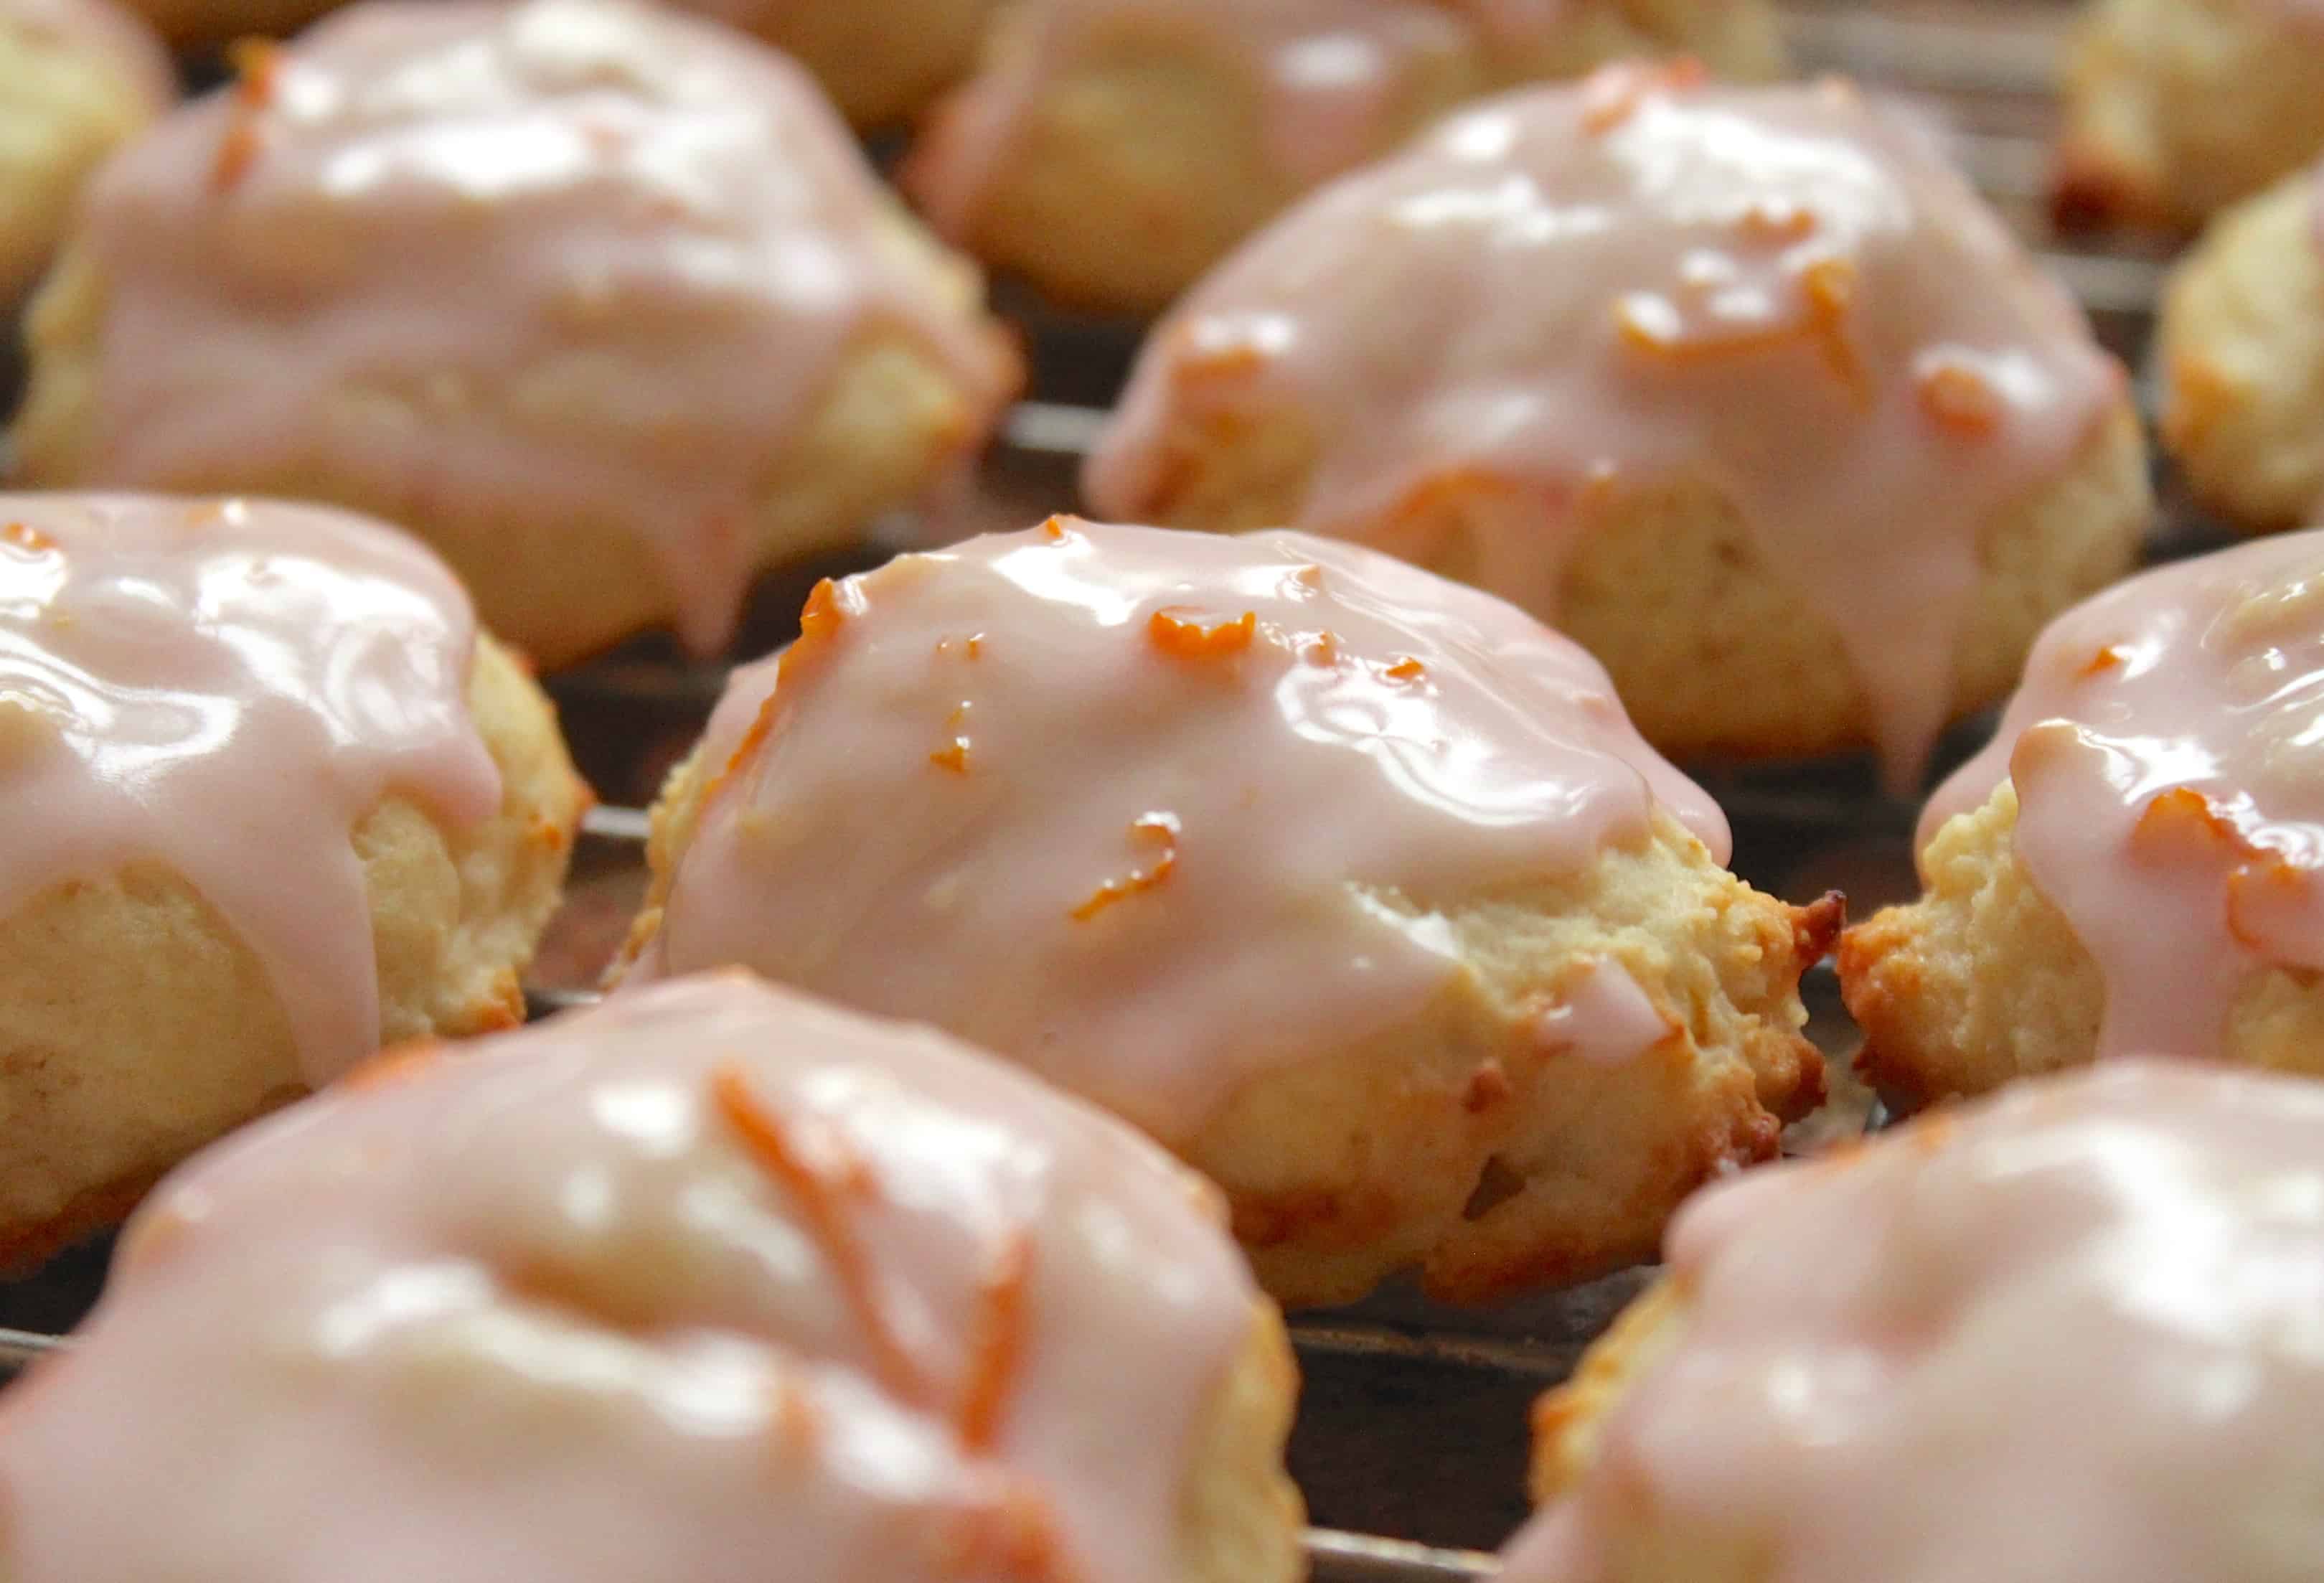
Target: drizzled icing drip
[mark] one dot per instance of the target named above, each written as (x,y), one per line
(105,27)
(2075,1332)
(2167,749)
(227,688)
(1779,292)
(1154,812)
(710,1275)
(565,255)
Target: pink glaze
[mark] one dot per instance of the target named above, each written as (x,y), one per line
(1602,1016)
(108,29)
(1333,73)
(2076,1332)
(2169,776)
(1778,291)
(1154,812)
(542,1313)
(601,256)
(227,688)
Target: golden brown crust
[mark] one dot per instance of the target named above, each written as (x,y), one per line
(2241,353)
(65,103)
(2173,111)
(1241,1512)
(135,1025)
(1566,1419)
(1983,981)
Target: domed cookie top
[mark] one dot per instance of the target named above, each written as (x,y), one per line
(1334,74)
(2168,759)
(2077,1331)
(227,688)
(506,261)
(1783,292)
(1179,803)
(712,1281)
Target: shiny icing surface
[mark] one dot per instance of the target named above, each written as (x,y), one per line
(2167,749)
(104,27)
(1780,292)
(227,688)
(1334,77)
(1153,812)
(575,257)
(2075,1332)
(715,1282)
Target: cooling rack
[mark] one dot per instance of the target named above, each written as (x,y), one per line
(1410,1443)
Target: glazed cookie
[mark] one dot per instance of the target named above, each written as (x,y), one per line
(600,300)
(2070,1333)
(2176,108)
(1351,884)
(1110,151)
(714,1283)
(2242,359)
(77,78)
(266,798)
(2134,863)
(880,61)
(1743,388)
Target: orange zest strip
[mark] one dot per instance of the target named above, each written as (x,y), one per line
(1773,222)
(1613,96)
(2263,890)
(1012,1535)
(2179,821)
(820,619)
(764,1135)
(954,758)
(1830,287)
(1960,399)
(1649,324)
(1154,827)
(2108,658)
(257,63)
(394,1066)
(1406,669)
(798,1422)
(24,536)
(752,740)
(1055,530)
(238,152)
(1183,634)
(257,66)
(996,1355)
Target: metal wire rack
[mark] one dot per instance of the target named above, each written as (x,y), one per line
(1413,1420)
